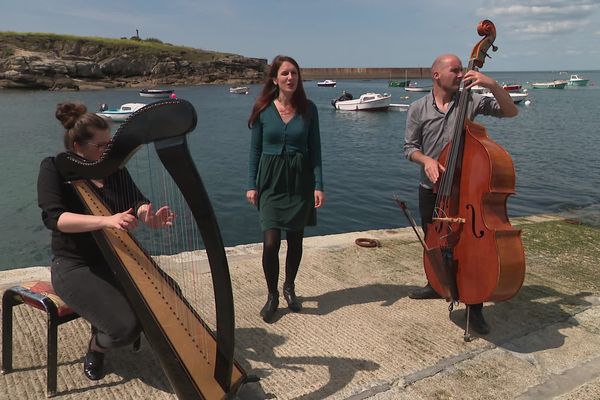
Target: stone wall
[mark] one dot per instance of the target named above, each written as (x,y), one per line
(366,73)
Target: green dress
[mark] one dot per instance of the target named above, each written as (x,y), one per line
(285,168)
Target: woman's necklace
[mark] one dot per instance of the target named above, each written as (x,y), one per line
(285,109)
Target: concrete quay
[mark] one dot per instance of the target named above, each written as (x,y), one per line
(393,73)
(360,336)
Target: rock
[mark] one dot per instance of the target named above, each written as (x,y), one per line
(51,63)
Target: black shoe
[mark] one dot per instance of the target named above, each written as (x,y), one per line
(477,322)
(290,296)
(426,292)
(268,311)
(93,364)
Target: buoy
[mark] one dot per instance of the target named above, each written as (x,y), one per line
(173,95)
(527,102)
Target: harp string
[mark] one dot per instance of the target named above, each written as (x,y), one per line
(176,249)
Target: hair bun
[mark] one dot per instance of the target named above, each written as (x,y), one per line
(69,113)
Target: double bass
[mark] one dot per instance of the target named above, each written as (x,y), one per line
(472,252)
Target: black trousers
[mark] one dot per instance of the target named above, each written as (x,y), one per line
(426,206)
(94,294)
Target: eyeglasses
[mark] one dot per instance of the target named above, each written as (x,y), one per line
(99,145)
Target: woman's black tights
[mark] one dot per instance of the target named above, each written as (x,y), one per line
(270,260)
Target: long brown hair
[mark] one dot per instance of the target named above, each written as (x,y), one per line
(77,123)
(271,91)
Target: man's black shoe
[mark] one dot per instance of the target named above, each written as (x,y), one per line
(426,292)
(477,322)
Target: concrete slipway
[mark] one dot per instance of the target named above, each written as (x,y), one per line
(360,336)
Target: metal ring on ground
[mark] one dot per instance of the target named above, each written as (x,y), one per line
(365,242)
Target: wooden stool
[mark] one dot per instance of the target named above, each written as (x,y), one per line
(40,295)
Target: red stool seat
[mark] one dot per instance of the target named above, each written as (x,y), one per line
(45,290)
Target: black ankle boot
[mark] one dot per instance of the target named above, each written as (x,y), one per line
(93,364)
(268,311)
(290,296)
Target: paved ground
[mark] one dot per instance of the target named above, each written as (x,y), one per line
(361,337)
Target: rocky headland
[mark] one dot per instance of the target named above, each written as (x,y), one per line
(45,61)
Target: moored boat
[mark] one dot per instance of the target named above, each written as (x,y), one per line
(577,81)
(156,93)
(239,90)
(516,97)
(418,89)
(399,106)
(414,87)
(556,84)
(327,83)
(366,102)
(512,87)
(404,83)
(119,114)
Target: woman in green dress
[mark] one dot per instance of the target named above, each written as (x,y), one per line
(284,174)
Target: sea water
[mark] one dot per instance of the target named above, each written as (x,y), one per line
(554,143)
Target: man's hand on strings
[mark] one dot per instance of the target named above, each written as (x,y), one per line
(163,217)
(433,169)
(124,221)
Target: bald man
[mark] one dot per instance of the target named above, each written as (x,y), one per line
(429,127)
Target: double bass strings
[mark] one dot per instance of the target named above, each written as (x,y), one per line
(445,187)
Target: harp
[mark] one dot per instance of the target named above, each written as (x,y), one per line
(197,360)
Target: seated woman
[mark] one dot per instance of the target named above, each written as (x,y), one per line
(80,274)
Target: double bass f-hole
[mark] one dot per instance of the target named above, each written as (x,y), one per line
(479,234)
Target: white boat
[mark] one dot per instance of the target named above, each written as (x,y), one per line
(327,83)
(415,88)
(119,114)
(516,97)
(512,87)
(557,84)
(399,106)
(156,93)
(577,81)
(367,102)
(239,90)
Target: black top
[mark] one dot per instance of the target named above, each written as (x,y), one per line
(55,196)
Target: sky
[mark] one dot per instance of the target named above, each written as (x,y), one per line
(534,35)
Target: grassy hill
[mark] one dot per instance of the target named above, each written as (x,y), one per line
(9,41)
